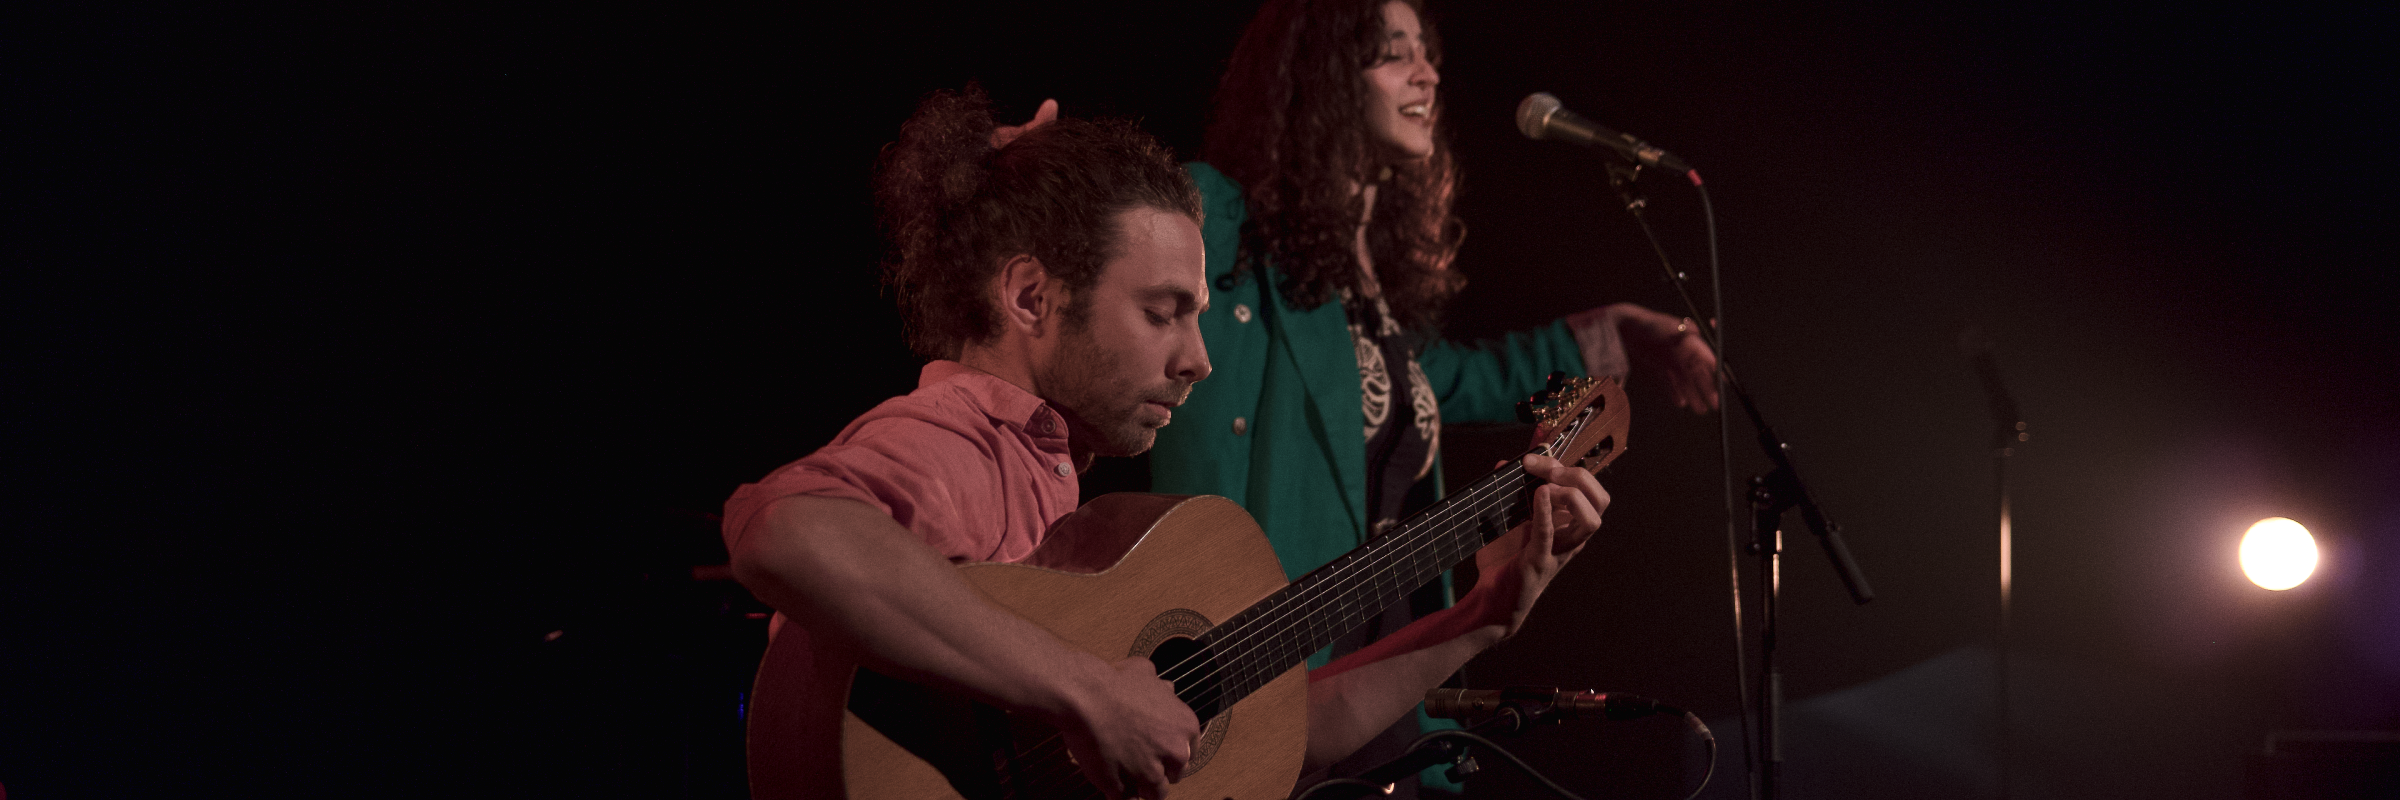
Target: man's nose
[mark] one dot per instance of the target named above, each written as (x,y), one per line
(1192,365)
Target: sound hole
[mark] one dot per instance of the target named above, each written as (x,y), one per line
(1180,660)
(1200,683)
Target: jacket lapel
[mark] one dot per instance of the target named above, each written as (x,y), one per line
(1318,343)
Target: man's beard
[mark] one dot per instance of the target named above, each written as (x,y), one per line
(1102,407)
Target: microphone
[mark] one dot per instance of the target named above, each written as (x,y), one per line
(1470,705)
(1542,117)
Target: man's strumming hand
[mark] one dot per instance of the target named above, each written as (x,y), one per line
(1127,730)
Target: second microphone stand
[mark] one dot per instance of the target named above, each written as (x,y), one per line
(1772,493)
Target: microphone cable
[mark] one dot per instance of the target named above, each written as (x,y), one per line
(1534,117)
(1712,332)
(1376,789)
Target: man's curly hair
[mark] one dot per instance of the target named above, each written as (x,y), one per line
(954,209)
(1290,124)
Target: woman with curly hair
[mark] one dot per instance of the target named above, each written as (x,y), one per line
(1327,185)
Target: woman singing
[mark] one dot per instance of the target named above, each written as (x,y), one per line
(1327,184)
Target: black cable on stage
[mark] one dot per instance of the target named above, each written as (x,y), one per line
(1376,790)
(1733,495)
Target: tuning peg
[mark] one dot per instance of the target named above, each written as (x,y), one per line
(1558,380)
(1525,411)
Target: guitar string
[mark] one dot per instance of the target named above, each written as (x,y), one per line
(1049,770)
(1482,490)
(1367,568)
(1056,770)
(1371,566)
(1046,750)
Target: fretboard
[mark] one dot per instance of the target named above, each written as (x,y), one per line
(1262,641)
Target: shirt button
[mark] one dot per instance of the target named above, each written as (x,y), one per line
(1240,425)
(1241,312)
(1065,470)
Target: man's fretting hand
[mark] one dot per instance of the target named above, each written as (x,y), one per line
(1515,568)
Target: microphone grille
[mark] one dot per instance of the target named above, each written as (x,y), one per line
(1533,115)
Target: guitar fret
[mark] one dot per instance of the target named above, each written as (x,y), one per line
(1351,591)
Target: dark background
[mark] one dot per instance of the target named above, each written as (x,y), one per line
(352,352)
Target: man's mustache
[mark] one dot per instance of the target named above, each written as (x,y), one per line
(1172,397)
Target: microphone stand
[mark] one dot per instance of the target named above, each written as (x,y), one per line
(1772,493)
(2008,429)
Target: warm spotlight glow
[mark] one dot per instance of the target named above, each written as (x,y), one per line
(2278,554)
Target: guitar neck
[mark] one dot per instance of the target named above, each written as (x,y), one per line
(1265,639)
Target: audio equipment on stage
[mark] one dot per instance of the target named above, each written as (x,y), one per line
(1474,705)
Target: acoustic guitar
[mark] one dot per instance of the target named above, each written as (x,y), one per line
(1188,581)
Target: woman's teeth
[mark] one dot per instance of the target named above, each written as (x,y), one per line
(1416,110)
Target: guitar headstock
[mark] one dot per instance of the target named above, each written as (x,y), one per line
(1581,421)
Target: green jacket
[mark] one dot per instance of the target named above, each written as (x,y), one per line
(1277,428)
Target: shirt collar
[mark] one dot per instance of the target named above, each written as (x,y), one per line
(1005,402)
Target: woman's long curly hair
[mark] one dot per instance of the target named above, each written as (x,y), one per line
(954,208)
(1290,124)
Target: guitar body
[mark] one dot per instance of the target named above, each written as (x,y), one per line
(1121,576)
(1188,581)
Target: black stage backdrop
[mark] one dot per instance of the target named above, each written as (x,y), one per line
(372,371)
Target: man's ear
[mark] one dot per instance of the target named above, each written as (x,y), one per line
(1028,298)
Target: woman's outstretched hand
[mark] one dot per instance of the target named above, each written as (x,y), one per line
(1614,334)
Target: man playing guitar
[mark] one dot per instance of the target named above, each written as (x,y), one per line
(1054,276)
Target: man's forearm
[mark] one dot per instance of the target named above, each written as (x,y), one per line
(1353,698)
(842,568)
(1357,696)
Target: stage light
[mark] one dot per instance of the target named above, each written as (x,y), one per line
(2278,554)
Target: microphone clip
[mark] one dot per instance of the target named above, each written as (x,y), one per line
(1518,709)
(1621,176)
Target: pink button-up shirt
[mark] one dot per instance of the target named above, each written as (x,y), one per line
(973,464)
